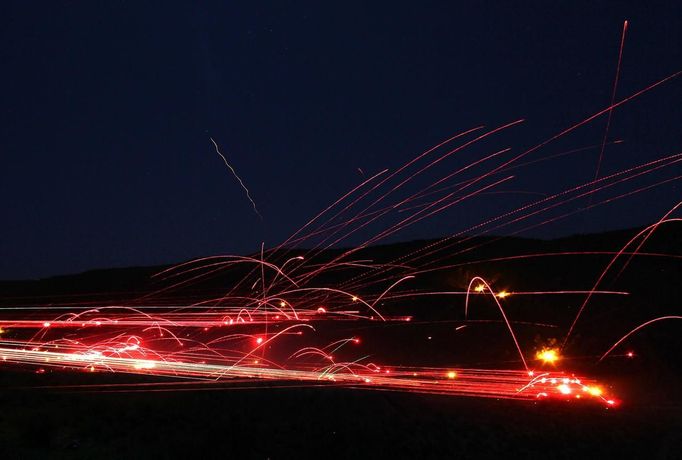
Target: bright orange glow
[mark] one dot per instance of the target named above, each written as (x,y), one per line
(479,288)
(594,391)
(452,374)
(548,355)
(503,294)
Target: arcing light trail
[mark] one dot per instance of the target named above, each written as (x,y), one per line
(285,314)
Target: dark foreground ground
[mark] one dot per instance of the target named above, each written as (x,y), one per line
(324,423)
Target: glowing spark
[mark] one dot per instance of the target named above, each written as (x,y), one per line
(452,374)
(548,355)
(502,294)
(234,173)
(479,288)
(564,389)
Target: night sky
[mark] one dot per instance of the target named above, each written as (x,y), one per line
(108,107)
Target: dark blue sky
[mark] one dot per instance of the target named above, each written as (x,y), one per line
(107,109)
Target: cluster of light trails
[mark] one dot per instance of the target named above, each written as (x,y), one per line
(509,384)
(265,323)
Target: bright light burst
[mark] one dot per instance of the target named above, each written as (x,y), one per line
(548,355)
